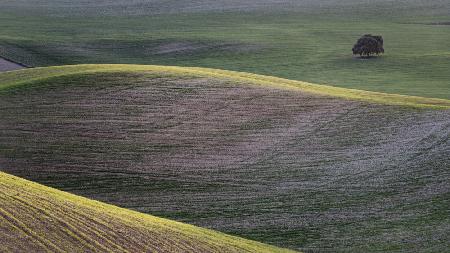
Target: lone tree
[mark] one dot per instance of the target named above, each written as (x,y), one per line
(368,45)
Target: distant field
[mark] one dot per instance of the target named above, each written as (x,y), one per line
(35,218)
(278,161)
(302,40)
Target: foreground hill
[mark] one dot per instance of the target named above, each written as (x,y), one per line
(284,162)
(35,218)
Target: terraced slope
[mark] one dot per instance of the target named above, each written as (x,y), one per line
(285,162)
(35,218)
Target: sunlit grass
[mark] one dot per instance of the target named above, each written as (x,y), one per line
(22,77)
(51,220)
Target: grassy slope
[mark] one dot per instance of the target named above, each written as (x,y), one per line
(310,42)
(211,148)
(17,78)
(35,218)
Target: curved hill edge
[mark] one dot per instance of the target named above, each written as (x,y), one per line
(48,208)
(23,77)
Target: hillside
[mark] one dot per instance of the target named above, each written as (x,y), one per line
(35,218)
(308,40)
(284,162)
(29,77)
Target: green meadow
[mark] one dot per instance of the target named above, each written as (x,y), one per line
(251,118)
(307,42)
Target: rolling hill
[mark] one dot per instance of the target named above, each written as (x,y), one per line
(35,218)
(302,40)
(284,162)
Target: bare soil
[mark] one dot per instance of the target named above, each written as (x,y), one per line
(279,166)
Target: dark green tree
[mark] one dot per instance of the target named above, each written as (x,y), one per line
(368,45)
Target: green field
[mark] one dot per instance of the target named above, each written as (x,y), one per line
(302,40)
(240,123)
(292,164)
(35,218)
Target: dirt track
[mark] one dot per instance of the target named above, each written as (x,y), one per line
(273,165)
(6,65)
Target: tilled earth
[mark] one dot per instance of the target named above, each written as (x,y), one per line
(279,166)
